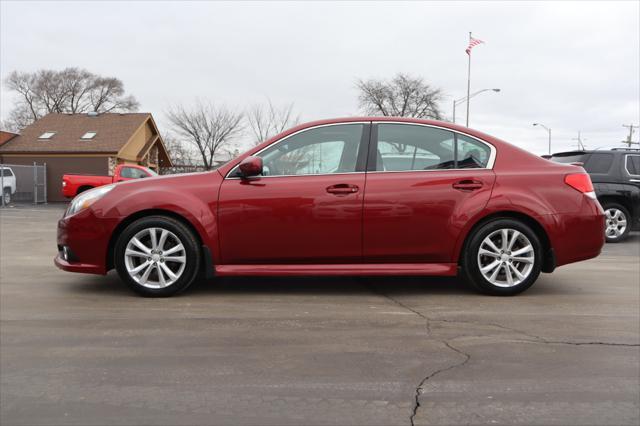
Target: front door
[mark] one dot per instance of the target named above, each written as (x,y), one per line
(423,186)
(307,206)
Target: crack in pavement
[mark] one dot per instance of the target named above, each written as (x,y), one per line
(419,388)
(537,339)
(467,357)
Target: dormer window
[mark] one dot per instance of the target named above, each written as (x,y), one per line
(88,135)
(47,135)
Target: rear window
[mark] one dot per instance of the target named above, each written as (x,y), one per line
(633,164)
(599,163)
(7,172)
(568,159)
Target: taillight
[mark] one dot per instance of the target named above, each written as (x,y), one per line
(581,182)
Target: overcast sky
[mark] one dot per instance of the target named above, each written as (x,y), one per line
(570,65)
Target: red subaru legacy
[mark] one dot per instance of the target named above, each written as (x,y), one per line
(355,196)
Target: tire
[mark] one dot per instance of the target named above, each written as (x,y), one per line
(529,265)
(6,195)
(130,257)
(83,188)
(617,222)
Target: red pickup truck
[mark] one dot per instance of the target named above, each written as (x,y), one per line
(73,184)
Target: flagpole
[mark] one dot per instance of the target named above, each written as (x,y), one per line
(468,80)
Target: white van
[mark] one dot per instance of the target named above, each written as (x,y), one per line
(8,181)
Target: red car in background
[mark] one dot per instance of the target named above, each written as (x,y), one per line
(74,184)
(355,196)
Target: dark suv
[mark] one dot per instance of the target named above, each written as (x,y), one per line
(616,178)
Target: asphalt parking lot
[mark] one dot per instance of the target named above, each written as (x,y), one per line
(80,349)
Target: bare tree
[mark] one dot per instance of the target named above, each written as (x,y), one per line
(71,90)
(206,127)
(181,153)
(266,121)
(402,96)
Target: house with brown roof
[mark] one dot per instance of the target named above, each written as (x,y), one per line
(87,144)
(5,136)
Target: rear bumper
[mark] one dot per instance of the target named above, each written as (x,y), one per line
(579,236)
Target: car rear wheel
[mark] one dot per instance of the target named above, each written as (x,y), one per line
(616,226)
(503,257)
(157,256)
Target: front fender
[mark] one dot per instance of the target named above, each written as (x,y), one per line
(195,201)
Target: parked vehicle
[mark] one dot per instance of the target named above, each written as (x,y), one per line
(330,205)
(616,178)
(74,184)
(8,184)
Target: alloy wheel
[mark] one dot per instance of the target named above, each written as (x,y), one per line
(615,223)
(155,258)
(506,257)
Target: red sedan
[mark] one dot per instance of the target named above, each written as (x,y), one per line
(356,196)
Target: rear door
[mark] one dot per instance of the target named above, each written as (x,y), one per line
(423,184)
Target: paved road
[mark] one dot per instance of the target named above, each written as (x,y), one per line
(79,349)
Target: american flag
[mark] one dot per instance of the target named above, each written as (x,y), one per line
(473,42)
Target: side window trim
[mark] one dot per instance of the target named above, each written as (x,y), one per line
(365,139)
(627,158)
(373,147)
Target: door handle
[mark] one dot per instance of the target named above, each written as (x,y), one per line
(467,185)
(342,189)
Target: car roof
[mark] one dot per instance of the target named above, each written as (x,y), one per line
(591,151)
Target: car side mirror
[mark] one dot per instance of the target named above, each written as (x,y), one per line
(250,166)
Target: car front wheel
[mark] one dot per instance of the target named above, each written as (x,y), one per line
(157,256)
(503,257)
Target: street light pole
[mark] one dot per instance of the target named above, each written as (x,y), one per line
(454,111)
(461,100)
(548,131)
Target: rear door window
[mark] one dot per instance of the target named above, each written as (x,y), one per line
(471,153)
(599,163)
(403,147)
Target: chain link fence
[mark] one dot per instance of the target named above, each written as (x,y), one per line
(23,184)
(178,169)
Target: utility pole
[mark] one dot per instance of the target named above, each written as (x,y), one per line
(628,141)
(579,139)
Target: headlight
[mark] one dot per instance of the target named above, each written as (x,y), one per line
(87,198)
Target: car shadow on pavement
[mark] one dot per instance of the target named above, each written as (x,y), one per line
(111,285)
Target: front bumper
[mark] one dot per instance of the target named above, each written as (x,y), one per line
(87,238)
(77,267)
